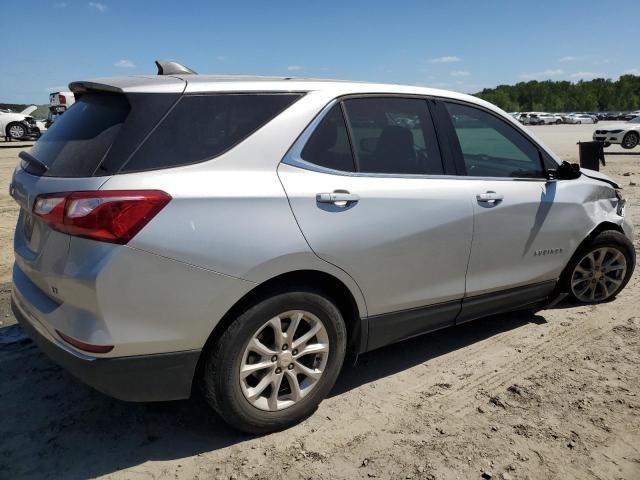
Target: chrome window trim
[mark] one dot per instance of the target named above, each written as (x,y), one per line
(294,156)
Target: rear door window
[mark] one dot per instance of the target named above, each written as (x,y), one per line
(329,145)
(393,135)
(201,127)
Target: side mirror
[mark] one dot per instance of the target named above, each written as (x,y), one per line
(566,171)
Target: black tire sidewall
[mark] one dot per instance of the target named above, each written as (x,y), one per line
(221,381)
(609,238)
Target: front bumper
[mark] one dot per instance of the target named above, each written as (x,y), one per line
(608,137)
(142,378)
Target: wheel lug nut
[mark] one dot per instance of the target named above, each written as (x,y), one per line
(290,367)
(278,370)
(274,358)
(295,351)
(285,346)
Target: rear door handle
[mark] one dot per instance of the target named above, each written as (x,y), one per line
(490,197)
(337,198)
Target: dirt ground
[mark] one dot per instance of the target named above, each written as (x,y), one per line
(520,396)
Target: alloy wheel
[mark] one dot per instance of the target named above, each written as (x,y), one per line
(630,140)
(17,131)
(284,360)
(598,275)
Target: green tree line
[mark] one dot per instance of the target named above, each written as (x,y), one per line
(597,95)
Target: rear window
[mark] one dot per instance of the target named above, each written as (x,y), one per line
(201,127)
(103,134)
(78,141)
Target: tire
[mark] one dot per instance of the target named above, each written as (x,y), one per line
(583,273)
(229,395)
(16,131)
(558,122)
(580,122)
(630,140)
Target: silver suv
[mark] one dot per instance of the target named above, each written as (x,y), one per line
(243,235)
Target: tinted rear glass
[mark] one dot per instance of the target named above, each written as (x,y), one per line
(78,141)
(201,127)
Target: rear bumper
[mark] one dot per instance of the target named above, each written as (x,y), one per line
(142,378)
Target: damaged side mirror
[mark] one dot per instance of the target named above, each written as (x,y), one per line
(565,171)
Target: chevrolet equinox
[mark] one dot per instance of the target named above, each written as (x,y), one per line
(244,234)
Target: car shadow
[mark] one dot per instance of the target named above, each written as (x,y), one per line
(395,358)
(54,426)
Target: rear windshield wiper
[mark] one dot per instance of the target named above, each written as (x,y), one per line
(41,167)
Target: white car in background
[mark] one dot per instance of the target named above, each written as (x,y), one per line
(579,118)
(626,134)
(17,125)
(549,119)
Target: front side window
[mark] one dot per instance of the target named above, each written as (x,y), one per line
(393,135)
(491,147)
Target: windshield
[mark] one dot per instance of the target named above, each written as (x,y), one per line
(635,120)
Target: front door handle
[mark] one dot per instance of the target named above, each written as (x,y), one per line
(339,198)
(490,197)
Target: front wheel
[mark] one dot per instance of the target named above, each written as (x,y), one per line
(276,362)
(16,131)
(600,269)
(630,140)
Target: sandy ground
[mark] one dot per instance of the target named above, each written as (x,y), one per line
(549,395)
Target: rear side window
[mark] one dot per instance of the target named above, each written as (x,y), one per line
(79,140)
(393,135)
(329,145)
(492,148)
(201,127)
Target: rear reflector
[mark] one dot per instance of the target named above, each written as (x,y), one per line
(113,216)
(87,347)
(62,99)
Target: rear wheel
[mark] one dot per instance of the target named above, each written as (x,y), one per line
(276,362)
(630,140)
(16,131)
(600,269)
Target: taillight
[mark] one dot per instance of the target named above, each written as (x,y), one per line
(114,216)
(62,99)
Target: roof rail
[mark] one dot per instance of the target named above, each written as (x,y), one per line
(167,67)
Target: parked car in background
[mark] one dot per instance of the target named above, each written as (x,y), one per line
(243,236)
(627,134)
(534,119)
(59,102)
(629,115)
(579,118)
(549,119)
(611,116)
(18,126)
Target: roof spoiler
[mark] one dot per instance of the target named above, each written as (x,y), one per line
(167,67)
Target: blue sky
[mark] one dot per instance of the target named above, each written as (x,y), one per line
(456,44)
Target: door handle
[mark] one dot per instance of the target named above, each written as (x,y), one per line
(338,198)
(490,197)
